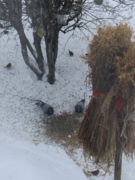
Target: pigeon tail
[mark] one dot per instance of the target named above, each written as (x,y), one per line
(46,108)
(50,111)
(83,100)
(78,109)
(40,104)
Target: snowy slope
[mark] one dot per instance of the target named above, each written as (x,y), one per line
(21,160)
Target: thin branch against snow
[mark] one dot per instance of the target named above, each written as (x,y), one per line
(93,15)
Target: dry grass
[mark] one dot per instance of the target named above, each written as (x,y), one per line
(111,59)
(62,128)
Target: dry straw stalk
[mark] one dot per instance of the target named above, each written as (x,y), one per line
(111,58)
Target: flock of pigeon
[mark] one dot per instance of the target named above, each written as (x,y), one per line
(48,109)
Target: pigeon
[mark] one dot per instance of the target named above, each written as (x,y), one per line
(71,53)
(46,108)
(79,107)
(8,65)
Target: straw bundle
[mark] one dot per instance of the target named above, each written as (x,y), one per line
(111,59)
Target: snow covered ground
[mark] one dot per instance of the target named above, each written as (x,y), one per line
(23,152)
(23,160)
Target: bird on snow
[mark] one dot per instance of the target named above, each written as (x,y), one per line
(8,65)
(71,53)
(79,107)
(46,108)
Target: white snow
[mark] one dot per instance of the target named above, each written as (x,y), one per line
(21,160)
(23,152)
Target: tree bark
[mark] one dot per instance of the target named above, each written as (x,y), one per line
(51,64)
(36,21)
(24,44)
(51,40)
(15,19)
(25,56)
(55,45)
(39,59)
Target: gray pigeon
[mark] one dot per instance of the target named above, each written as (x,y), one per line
(46,108)
(79,107)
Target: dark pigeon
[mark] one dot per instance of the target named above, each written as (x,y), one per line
(46,108)
(79,107)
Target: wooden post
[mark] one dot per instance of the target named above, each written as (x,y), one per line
(118,155)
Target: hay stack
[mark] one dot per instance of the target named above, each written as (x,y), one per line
(111,59)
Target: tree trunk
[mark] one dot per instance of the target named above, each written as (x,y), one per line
(51,64)
(118,152)
(39,59)
(36,21)
(15,18)
(51,40)
(26,58)
(55,45)
(24,44)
